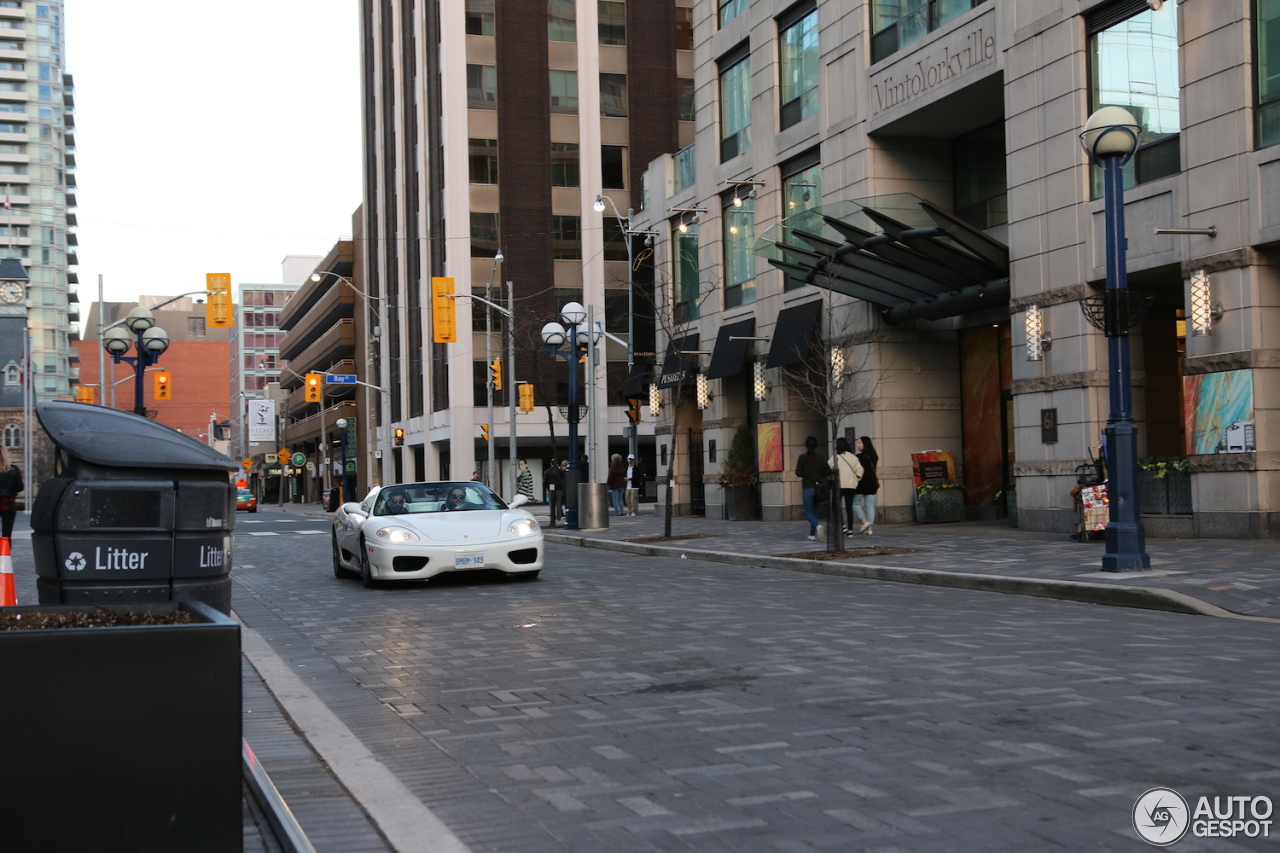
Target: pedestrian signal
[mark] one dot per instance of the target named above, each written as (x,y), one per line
(162,387)
(314,387)
(526,396)
(495,374)
(444,328)
(484,431)
(633,411)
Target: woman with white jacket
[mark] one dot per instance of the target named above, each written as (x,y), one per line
(846,464)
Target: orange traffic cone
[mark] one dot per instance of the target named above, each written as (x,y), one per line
(8,594)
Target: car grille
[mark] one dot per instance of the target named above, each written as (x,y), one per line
(408,564)
(524,556)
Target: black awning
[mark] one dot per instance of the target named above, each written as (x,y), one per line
(728,356)
(793,333)
(677,367)
(637,384)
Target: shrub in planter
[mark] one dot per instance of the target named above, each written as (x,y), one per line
(740,476)
(125,737)
(939,501)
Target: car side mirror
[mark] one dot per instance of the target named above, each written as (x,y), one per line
(518,500)
(351,507)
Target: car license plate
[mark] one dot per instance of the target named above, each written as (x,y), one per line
(468,561)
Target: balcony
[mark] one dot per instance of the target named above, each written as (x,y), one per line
(336,344)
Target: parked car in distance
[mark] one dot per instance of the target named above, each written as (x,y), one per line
(246,500)
(415,531)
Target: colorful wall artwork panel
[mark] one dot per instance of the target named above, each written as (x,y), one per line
(1220,416)
(769,446)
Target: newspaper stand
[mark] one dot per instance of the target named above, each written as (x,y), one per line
(1092,505)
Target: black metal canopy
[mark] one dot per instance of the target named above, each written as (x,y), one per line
(905,254)
(728,356)
(678,366)
(793,334)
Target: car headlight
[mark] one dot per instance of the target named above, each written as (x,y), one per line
(522,527)
(396,534)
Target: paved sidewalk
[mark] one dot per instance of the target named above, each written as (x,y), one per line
(1240,576)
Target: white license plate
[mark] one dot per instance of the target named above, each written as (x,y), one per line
(468,561)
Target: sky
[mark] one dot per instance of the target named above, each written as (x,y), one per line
(211,139)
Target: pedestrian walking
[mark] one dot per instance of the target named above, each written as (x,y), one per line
(848,467)
(617,483)
(524,479)
(10,488)
(864,501)
(813,471)
(554,478)
(635,479)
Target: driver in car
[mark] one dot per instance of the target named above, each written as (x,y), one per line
(457,499)
(395,505)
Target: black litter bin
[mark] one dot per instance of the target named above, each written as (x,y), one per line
(138,512)
(335,499)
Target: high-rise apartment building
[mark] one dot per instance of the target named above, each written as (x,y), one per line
(491,129)
(37,182)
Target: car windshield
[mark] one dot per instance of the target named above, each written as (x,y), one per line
(436,497)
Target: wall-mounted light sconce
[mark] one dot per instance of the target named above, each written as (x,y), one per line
(1205,313)
(837,366)
(655,400)
(759,385)
(688,216)
(702,387)
(751,184)
(1038,339)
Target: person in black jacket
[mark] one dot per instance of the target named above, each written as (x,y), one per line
(864,496)
(813,471)
(10,488)
(554,478)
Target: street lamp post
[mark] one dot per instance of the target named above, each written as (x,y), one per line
(488,367)
(341,424)
(1110,138)
(554,336)
(150,342)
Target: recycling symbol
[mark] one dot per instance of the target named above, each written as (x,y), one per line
(75,562)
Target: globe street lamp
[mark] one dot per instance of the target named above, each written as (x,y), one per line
(1110,138)
(554,336)
(341,424)
(150,341)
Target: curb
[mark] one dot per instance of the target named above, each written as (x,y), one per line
(1111,595)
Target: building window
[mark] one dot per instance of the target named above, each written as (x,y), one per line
(566,238)
(801,192)
(560,21)
(739,252)
(482,87)
(12,435)
(613,167)
(613,95)
(11,375)
(686,99)
(685,282)
(978,170)
(1134,64)
(897,23)
(484,235)
(195,327)
(564,92)
(612,22)
(615,239)
(564,164)
(730,9)
(798,52)
(480,17)
(684,28)
(483,160)
(1267,32)
(735,105)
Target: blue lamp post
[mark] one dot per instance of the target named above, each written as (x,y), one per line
(554,336)
(150,342)
(1110,138)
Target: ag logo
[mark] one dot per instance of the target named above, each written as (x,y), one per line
(75,562)
(1161,817)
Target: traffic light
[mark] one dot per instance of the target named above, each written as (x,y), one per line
(633,411)
(444,328)
(484,431)
(84,393)
(526,396)
(162,385)
(495,374)
(218,311)
(399,437)
(315,387)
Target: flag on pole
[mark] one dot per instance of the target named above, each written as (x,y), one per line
(6,202)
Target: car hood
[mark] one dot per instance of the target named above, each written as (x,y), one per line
(475,525)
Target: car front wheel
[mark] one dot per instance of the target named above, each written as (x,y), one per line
(338,570)
(366,572)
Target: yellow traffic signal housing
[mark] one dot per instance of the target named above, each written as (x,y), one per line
(495,374)
(633,411)
(162,387)
(526,396)
(315,387)
(399,437)
(84,393)
(444,328)
(484,431)
(218,312)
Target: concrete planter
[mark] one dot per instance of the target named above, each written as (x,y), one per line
(740,503)
(940,506)
(126,738)
(1167,495)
